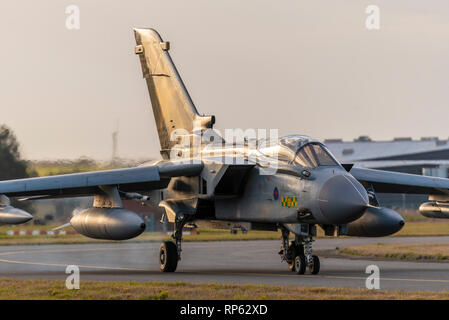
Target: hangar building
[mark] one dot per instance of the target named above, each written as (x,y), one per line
(427,156)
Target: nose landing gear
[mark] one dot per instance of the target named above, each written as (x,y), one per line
(298,253)
(313,262)
(299,265)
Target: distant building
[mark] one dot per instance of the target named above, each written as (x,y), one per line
(427,156)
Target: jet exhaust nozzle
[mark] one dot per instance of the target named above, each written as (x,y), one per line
(108,223)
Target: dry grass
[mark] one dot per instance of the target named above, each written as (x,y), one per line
(436,251)
(429,227)
(55,289)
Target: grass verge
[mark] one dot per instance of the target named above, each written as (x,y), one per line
(129,290)
(430,227)
(434,251)
(417,228)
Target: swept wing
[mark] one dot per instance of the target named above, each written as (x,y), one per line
(394,182)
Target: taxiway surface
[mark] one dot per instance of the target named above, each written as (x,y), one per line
(238,262)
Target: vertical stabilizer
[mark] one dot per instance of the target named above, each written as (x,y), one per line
(172,106)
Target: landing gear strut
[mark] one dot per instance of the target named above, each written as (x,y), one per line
(298,253)
(312,261)
(169,251)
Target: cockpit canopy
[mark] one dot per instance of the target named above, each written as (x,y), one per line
(300,150)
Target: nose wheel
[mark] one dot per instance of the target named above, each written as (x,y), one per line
(313,262)
(298,254)
(314,266)
(300,264)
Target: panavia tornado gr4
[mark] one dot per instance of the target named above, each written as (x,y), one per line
(290,183)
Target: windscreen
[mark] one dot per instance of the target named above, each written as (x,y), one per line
(313,155)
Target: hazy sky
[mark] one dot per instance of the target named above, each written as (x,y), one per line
(307,67)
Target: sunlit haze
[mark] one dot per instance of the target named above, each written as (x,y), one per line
(309,67)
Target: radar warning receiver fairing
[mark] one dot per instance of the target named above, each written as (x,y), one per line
(292,183)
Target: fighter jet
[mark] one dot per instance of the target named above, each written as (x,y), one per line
(293,183)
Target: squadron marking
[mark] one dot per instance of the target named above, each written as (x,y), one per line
(289,202)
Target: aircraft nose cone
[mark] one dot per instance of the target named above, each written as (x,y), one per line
(342,199)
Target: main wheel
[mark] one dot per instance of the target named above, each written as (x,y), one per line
(315,267)
(300,264)
(168,257)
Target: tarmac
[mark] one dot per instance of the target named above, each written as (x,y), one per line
(239,262)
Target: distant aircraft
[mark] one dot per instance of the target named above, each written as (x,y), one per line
(292,183)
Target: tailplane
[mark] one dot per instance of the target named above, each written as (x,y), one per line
(172,106)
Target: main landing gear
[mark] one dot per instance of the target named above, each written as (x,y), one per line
(169,251)
(298,253)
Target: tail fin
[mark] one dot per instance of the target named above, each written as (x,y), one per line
(172,106)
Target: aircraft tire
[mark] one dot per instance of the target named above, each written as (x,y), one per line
(168,257)
(300,264)
(315,268)
(291,266)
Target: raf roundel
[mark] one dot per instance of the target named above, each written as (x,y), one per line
(275,193)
